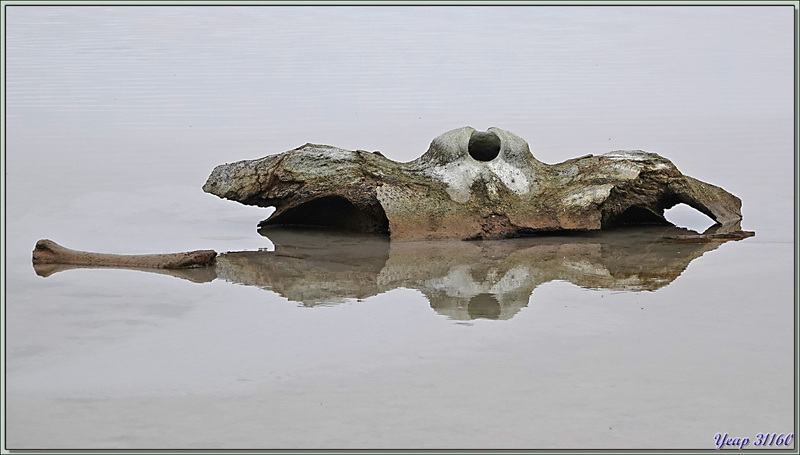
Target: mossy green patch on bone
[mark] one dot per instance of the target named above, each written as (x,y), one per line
(468,185)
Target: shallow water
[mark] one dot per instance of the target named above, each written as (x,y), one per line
(116,115)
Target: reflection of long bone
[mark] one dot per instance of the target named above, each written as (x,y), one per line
(461,280)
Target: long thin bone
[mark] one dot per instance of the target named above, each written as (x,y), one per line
(49,252)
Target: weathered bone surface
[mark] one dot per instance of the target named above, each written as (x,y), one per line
(48,252)
(468,185)
(493,279)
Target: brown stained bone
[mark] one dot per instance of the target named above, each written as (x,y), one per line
(49,252)
(698,238)
(468,185)
(721,233)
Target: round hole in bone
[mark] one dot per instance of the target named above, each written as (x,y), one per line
(484,146)
(484,306)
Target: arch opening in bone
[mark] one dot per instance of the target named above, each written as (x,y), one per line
(335,212)
(484,306)
(682,215)
(484,146)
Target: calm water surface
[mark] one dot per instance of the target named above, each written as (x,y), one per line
(115,116)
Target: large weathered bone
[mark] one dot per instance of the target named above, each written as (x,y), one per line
(468,185)
(49,252)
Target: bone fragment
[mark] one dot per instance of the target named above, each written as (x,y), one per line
(49,252)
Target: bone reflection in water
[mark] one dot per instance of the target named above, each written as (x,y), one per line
(491,279)
(461,280)
(311,267)
(195,274)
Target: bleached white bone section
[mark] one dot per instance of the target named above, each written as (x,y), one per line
(633,155)
(590,195)
(637,155)
(459,176)
(511,281)
(511,176)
